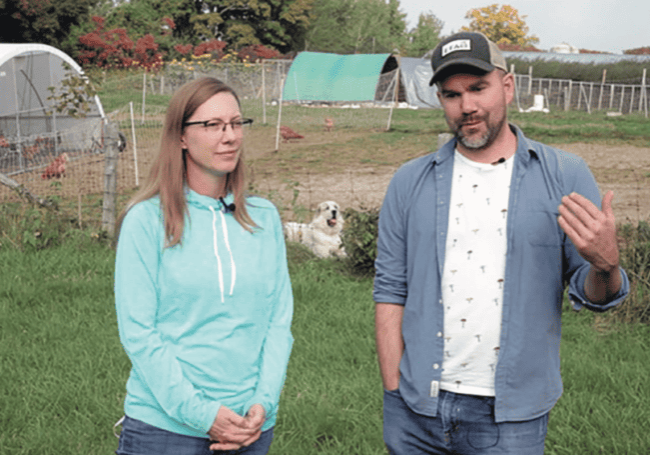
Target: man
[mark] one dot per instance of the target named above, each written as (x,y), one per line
(476,245)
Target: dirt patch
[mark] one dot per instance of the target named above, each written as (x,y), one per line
(623,169)
(350,167)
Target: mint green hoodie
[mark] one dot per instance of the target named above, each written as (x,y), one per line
(205,323)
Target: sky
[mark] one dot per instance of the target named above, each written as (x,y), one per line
(600,25)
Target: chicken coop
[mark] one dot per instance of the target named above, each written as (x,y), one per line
(318,77)
(35,127)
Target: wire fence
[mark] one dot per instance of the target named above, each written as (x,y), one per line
(568,95)
(34,162)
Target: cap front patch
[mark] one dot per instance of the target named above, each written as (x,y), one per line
(458,45)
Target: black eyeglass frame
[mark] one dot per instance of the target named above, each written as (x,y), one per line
(205,123)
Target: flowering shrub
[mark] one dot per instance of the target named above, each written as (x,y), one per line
(257,52)
(146,53)
(114,48)
(183,49)
(106,48)
(214,47)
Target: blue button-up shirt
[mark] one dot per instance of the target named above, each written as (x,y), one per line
(540,261)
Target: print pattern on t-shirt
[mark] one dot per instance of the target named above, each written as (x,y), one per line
(473,278)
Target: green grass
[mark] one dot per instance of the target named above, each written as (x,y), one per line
(604,408)
(63,371)
(559,127)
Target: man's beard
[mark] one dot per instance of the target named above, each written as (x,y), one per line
(482,142)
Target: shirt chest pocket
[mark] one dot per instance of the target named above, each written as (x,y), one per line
(540,227)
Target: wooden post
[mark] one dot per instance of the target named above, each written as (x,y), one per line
(645,93)
(277,131)
(547,98)
(144,93)
(631,100)
(569,96)
(642,93)
(109,210)
(611,95)
(602,85)
(395,95)
(620,108)
(583,92)
(591,92)
(263,94)
(580,95)
(530,79)
(135,146)
(566,98)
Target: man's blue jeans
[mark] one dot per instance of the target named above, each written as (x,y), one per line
(463,425)
(139,438)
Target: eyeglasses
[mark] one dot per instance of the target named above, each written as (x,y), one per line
(217,126)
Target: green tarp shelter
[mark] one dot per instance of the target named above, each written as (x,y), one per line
(318,76)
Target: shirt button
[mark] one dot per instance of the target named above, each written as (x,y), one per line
(439,334)
(436,366)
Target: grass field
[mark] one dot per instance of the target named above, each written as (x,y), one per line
(63,370)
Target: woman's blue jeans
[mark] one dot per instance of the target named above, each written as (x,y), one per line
(139,438)
(464,424)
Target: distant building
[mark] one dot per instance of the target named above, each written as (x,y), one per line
(565,48)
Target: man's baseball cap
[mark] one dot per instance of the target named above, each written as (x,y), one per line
(466,49)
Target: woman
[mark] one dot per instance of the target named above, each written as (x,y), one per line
(202,291)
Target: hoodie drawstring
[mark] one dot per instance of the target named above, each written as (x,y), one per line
(216,252)
(232,258)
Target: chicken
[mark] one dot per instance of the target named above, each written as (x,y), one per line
(288,134)
(44,144)
(329,124)
(56,168)
(3,141)
(30,151)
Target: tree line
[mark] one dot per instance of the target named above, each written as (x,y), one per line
(122,33)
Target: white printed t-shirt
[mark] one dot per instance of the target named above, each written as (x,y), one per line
(472,283)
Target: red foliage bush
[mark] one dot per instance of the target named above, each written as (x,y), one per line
(638,51)
(146,53)
(214,47)
(114,48)
(587,51)
(257,52)
(183,49)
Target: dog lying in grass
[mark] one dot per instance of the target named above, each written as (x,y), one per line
(323,235)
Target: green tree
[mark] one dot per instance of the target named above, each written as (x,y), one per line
(41,21)
(279,24)
(356,26)
(425,36)
(503,25)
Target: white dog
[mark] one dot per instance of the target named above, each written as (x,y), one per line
(323,234)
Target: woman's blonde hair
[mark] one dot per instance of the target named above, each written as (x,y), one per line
(168,176)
